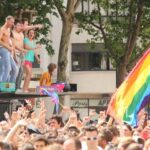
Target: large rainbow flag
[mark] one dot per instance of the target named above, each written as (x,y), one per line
(133,94)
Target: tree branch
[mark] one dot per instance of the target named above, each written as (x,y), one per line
(130,25)
(101,26)
(93,24)
(60,9)
(136,30)
(144,36)
(107,45)
(70,6)
(77,4)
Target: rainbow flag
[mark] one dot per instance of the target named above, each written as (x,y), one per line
(133,94)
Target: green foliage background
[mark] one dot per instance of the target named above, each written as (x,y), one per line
(117,26)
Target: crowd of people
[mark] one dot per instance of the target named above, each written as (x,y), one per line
(23,130)
(17,51)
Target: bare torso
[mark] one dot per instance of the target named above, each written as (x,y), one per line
(6,40)
(5,36)
(18,38)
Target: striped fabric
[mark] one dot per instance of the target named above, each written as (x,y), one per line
(133,94)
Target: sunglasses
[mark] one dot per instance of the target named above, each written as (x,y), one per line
(91,138)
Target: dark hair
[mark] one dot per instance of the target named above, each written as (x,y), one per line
(139,140)
(73,128)
(114,130)
(33,129)
(58,119)
(17,107)
(128,126)
(73,131)
(24,20)
(77,144)
(106,135)
(90,129)
(17,21)
(29,32)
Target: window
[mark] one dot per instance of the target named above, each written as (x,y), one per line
(86,58)
(84,104)
(37,71)
(35,63)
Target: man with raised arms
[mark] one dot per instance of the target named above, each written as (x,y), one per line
(19,45)
(18,35)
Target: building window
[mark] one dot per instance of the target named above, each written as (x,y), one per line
(85,58)
(84,105)
(35,63)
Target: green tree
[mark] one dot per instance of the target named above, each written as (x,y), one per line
(67,14)
(123,27)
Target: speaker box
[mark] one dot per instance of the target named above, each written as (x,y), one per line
(73,87)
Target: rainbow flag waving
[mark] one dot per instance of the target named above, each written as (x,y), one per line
(133,94)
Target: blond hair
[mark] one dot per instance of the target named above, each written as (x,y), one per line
(8,18)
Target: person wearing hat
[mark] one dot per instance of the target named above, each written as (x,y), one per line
(46,78)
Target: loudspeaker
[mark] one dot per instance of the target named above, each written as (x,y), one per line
(73,87)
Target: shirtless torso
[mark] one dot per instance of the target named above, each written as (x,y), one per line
(18,39)
(5,34)
(8,66)
(5,38)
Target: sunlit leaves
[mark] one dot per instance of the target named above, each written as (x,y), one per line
(117,19)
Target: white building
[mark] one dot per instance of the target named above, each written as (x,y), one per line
(90,70)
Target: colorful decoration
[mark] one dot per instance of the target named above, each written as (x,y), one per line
(52,91)
(133,94)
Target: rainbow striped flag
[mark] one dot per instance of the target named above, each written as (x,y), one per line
(133,94)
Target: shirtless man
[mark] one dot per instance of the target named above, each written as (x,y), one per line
(18,35)
(27,27)
(19,45)
(9,67)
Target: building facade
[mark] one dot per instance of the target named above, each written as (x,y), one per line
(89,68)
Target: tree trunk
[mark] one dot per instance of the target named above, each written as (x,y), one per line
(63,50)
(121,73)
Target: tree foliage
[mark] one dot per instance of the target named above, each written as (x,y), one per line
(66,11)
(123,26)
